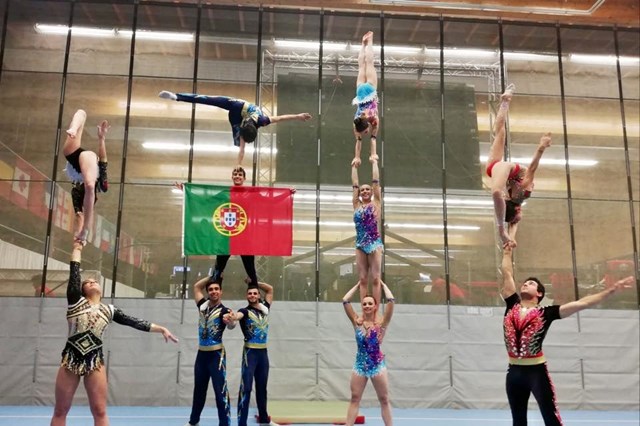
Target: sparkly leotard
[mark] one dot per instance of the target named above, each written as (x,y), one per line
(367,235)
(367,101)
(369,358)
(517,194)
(87,323)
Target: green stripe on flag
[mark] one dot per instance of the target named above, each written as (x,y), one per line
(200,234)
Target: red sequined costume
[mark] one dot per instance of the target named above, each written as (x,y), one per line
(524,331)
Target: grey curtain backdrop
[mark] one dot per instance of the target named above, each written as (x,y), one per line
(593,358)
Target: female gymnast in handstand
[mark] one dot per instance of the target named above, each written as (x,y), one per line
(366,216)
(82,356)
(511,183)
(366,100)
(87,172)
(369,363)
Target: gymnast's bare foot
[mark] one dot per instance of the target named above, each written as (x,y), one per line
(508,93)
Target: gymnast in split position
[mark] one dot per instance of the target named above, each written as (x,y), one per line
(245,118)
(366,100)
(369,329)
(511,183)
(87,172)
(82,356)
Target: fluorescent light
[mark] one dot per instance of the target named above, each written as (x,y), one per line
(348,251)
(137,106)
(113,32)
(336,224)
(145,105)
(603,59)
(629,61)
(310,45)
(176,191)
(550,161)
(166,146)
(437,201)
(333,46)
(84,31)
(51,29)
(157,35)
(458,53)
(427,226)
(467,53)
(402,49)
(533,57)
(202,147)
(513,8)
(331,198)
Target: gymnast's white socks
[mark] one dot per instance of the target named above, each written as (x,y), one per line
(168,95)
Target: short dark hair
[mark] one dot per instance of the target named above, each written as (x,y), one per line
(248,130)
(361,124)
(540,288)
(218,282)
(240,169)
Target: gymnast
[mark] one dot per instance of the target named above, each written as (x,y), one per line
(245,118)
(369,363)
(87,172)
(82,356)
(525,326)
(366,100)
(511,183)
(366,216)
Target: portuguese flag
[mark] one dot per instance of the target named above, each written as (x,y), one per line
(237,220)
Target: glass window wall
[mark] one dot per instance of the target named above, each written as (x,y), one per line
(436,119)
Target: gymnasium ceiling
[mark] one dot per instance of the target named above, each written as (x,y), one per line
(624,13)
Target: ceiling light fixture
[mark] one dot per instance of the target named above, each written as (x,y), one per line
(84,31)
(330,198)
(451,52)
(336,224)
(113,32)
(333,46)
(579,58)
(488,7)
(202,147)
(533,57)
(550,161)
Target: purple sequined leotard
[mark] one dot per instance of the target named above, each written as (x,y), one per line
(369,358)
(367,234)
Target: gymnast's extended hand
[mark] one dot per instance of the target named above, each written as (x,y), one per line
(155,328)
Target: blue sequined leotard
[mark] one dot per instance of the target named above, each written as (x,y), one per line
(366,101)
(369,358)
(367,234)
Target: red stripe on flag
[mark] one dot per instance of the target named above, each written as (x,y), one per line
(269,213)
